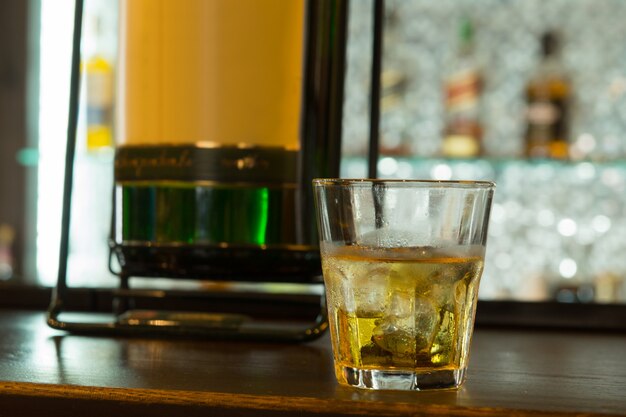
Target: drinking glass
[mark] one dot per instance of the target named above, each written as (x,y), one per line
(402,261)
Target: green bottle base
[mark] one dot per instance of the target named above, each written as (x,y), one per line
(184,230)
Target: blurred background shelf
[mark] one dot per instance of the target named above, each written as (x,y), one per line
(558,226)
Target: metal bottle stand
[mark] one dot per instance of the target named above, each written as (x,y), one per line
(207,325)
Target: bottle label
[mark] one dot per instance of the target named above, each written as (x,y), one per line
(463,90)
(100,89)
(546,133)
(548,116)
(229,164)
(460,146)
(462,134)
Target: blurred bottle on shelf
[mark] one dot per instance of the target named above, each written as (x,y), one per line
(393,91)
(463,90)
(7,235)
(548,99)
(93,168)
(99,82)
(609,288)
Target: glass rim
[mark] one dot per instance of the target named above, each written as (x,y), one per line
(358,182)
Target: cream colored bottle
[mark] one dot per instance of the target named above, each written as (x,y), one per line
(197,77)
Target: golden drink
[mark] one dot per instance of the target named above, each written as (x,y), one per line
(406,312)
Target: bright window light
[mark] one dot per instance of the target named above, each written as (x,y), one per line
(54,80)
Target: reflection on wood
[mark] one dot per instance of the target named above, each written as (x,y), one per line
(511,373)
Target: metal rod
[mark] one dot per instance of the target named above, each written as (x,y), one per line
(375,87)
(71,146)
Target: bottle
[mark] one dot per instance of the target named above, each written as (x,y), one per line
(548,99)
(463,89)
(7,235)
(213,117)
(99,83)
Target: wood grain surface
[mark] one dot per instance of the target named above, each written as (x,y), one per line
(512,373)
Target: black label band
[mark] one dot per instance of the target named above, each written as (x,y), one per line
(230,164)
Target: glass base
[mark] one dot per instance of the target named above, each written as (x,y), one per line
(416,380)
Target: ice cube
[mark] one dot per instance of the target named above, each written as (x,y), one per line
(348,300)
(442,295)
(460,294)
(426,319)
(396,328)
(401,305)
(443,346)
(393,339)
(370,288)
(399,321)
(402,276)
(387,237)
(407,328)
(338,287)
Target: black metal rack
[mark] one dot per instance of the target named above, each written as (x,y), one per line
(128,316)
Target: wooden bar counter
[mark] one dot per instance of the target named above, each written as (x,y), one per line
(44,372)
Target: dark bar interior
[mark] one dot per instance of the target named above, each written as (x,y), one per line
(161,246)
